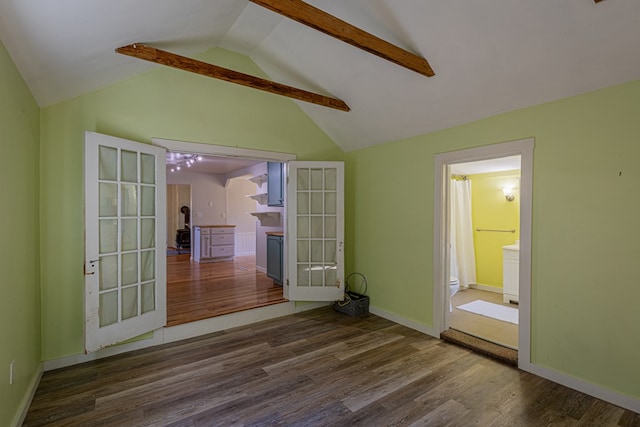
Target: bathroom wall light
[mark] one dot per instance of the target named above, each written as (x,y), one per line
(508,194)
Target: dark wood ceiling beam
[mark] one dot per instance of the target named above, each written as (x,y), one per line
(335,27)
(148,53)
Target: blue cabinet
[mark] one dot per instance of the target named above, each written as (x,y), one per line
(275,184)
(274,258)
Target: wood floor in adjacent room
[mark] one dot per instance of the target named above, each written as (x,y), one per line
(317,368)
(197,291)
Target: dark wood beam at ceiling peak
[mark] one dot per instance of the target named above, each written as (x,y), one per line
(326,23)
(151,54)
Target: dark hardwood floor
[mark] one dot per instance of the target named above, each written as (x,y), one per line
(318,368)
(197,291)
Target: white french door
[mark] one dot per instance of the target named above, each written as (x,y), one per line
(125,232)
(315,231)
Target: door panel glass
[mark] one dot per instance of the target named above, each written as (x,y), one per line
(108,200)
(108,235)
(316,203)
(129,268)
(129,234)
(317,229)
(303,275)
(129,302)
(331,276)
(330,203)
(303,226)
(317,276)
(330,179)
(330,227)
(129,199)
(129,166)
(317,254)
(108,163)
(303,251)
(148,297)
(303,203)
(108,272)
(108,308)
(317,179)
(330,252)
(147,233)
(147,265)
(148,201)
(147,169)
(303,179)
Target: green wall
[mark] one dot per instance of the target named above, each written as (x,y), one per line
(585,293)
(490,210)
(19,259)
(164,103)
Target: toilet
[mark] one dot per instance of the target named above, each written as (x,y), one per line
(454,285)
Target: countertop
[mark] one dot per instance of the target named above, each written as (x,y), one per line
(275,233)
(215,226)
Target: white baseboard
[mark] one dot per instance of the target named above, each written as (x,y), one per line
(188,330)
(597,391)
(261,269)
(25,403)
(404,321)
(580,385)
(487,288)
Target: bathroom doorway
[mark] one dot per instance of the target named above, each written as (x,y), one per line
(443,303)
(484,219)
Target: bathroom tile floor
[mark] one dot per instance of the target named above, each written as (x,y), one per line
(493,330)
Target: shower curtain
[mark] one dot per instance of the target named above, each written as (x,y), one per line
(463,258)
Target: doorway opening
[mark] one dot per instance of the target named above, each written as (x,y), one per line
(484,229)
(443,300)
(225,194)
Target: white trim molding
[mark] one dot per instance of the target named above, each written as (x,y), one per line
(25,403)
(404,321)
(583,386)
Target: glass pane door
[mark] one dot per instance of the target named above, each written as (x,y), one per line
(315,230)
(125,259)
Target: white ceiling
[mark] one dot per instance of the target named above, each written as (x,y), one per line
(489,57)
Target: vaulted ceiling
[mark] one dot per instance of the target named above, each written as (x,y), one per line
(489,56)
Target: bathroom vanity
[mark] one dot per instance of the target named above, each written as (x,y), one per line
(510,273)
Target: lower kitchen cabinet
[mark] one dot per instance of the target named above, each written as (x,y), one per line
(214,243)
(274,257)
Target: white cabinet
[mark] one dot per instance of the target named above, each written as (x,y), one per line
(214,243)
(510,272)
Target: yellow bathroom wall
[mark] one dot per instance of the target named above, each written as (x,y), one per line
(491,210)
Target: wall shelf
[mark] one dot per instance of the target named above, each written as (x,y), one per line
(260,198)
(259,179)
(267,218)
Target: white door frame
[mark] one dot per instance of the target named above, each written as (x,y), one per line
(441,298)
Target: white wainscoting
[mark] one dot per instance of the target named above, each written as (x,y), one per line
(246,243)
